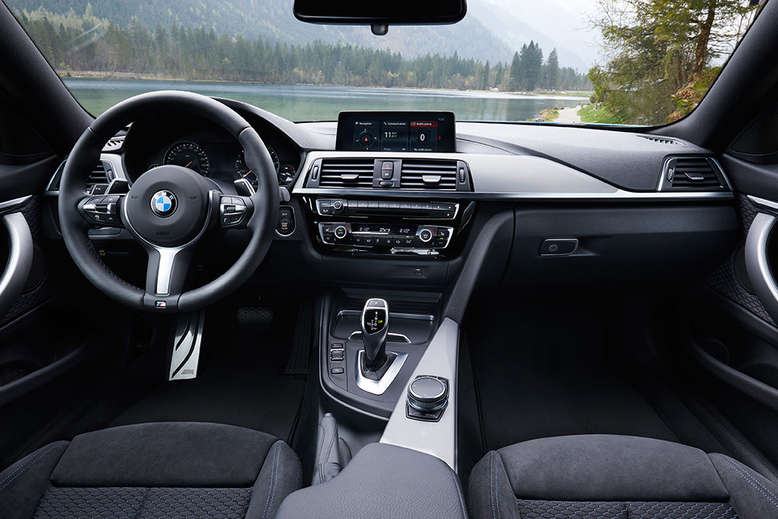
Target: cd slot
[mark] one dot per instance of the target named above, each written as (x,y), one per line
(401,208)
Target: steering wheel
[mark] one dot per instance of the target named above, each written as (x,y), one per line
(168,209)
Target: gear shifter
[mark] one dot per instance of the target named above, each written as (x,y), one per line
(375,326)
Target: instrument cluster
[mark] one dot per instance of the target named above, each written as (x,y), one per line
(206,149)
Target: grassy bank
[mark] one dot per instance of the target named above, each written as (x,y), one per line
(597,113)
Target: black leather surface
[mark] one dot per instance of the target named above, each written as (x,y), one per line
(608,476)
(382,481)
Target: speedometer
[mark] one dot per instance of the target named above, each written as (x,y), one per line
(189,155)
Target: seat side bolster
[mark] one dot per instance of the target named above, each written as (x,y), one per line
(490,495)
(23,484)
(281,474)
(752,495)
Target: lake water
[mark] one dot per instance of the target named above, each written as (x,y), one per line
(315,103)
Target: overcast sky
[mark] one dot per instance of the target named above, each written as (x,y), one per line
(566,22)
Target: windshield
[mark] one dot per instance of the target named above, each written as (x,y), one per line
(632,62)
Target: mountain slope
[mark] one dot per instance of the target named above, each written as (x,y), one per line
(490,31)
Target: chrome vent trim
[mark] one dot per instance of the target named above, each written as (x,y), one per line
(693,173)
(347,173)
(429,174)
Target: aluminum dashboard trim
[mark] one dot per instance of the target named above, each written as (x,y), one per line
(504,177)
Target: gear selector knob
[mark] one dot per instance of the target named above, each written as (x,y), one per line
(375,326)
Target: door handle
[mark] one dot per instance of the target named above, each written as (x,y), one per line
(757,265)
(20,253)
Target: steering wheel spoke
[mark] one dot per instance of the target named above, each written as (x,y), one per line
(235,211)
(168,208)
(166,271)
(102,210)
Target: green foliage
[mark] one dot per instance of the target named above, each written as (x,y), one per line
(598,113)
(660,54)
(90,44)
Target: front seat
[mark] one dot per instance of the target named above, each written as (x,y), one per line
(616,477)
(155,470)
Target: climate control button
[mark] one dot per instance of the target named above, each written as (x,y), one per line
(341,232)
(425,235)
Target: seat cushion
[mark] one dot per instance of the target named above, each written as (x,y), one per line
(620,477)
(169,470)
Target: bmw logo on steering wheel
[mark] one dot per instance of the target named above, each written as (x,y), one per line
(164,203)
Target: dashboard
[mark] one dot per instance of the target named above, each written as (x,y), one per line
(596,202)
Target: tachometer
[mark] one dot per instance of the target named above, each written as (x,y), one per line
(189,155)
(243,171)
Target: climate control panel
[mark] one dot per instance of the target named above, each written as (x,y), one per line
(385,235)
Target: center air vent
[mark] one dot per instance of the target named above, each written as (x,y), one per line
(347,173)
(429,174)
(689,173)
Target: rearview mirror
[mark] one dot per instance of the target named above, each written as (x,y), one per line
(381,13)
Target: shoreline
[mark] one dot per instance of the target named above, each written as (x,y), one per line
(86,74)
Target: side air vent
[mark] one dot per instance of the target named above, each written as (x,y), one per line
(429,174)
(356,173)
(97,181)
(99,178)
(690,173)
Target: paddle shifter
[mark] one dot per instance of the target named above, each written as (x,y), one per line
(375,326)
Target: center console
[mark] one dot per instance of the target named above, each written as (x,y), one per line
(390,218)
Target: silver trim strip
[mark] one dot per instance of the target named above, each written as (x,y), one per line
(505,177)
(16,203)
(617,195)
(20,256)
(438,439)
(763,202)
(757,265)
(379,387)
(396,315)
(389,336)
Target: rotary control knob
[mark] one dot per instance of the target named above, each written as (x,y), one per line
(341,232)
(425,235)
(427,397)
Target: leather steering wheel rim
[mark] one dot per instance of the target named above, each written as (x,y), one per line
(86,153)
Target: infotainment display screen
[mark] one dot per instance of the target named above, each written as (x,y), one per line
(396,131)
